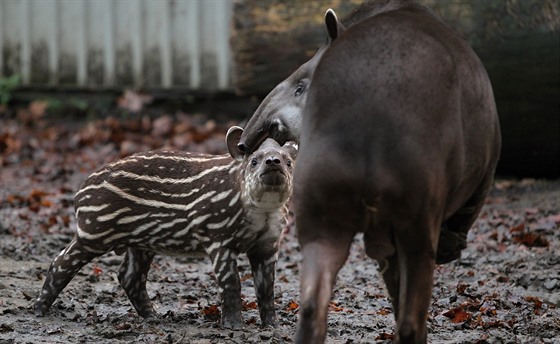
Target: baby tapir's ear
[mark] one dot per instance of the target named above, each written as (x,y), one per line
(291,147)
(334,27)
(232,139)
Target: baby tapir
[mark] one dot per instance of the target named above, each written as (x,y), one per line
(399,140)
(176,203)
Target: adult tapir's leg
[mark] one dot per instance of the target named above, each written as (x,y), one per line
(325,244)
(322,259)
(416,246)
(391,275)
(329,211)
(453,235)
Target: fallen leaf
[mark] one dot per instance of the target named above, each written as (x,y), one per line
(251,321)
(531,239)
(457,315)
(384,311)
(249,305)
(212,310)
(246,277)
(518,228)
(335,308)
(97,270)
(461,288)
(292,306)
(385,336)
(123,326)
(537,303)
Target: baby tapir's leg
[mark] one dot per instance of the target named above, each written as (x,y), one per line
(263,265)
(225,267)
(133,274)
(61,271)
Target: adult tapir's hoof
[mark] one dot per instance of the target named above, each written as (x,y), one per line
(450,245)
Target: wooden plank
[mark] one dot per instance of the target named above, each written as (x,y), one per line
(99,48)
(25,42)
(151,20)
(222,20)
(2,30)
(182,37)
(109,43)
(194,45)
(208,62)
(165,44)
(43,41)
(82,42)
(128,43)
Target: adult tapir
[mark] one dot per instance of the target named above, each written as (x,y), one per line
(399,139)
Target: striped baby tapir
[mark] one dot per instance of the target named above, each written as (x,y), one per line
(180,203)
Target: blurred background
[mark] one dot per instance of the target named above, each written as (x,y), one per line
(89,59)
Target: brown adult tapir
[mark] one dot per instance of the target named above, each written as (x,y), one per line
(399,139)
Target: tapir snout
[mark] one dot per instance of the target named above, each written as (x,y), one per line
(280,113)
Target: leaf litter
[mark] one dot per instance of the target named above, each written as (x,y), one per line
(504,289)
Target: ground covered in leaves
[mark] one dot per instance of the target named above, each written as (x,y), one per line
(504,289)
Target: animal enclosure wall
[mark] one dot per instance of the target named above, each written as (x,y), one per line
(117,43)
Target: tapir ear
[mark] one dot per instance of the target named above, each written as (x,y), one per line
(292,148)
(334,28)
(232,139)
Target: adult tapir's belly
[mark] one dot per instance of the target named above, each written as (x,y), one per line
(400,109)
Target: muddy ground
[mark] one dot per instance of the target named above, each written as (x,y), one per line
(504,289)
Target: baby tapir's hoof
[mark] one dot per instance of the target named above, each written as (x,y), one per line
(39,310)
(270,322)
(149,314)
(232,322)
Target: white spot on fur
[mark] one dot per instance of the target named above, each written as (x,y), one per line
(234,199)
(222,195)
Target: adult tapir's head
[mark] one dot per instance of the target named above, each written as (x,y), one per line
(279,115)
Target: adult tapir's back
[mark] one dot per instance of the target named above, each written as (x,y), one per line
(399,140)
(399,102)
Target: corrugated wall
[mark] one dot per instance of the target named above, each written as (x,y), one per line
(117,43)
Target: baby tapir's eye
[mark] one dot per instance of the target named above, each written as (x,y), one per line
(254,162)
